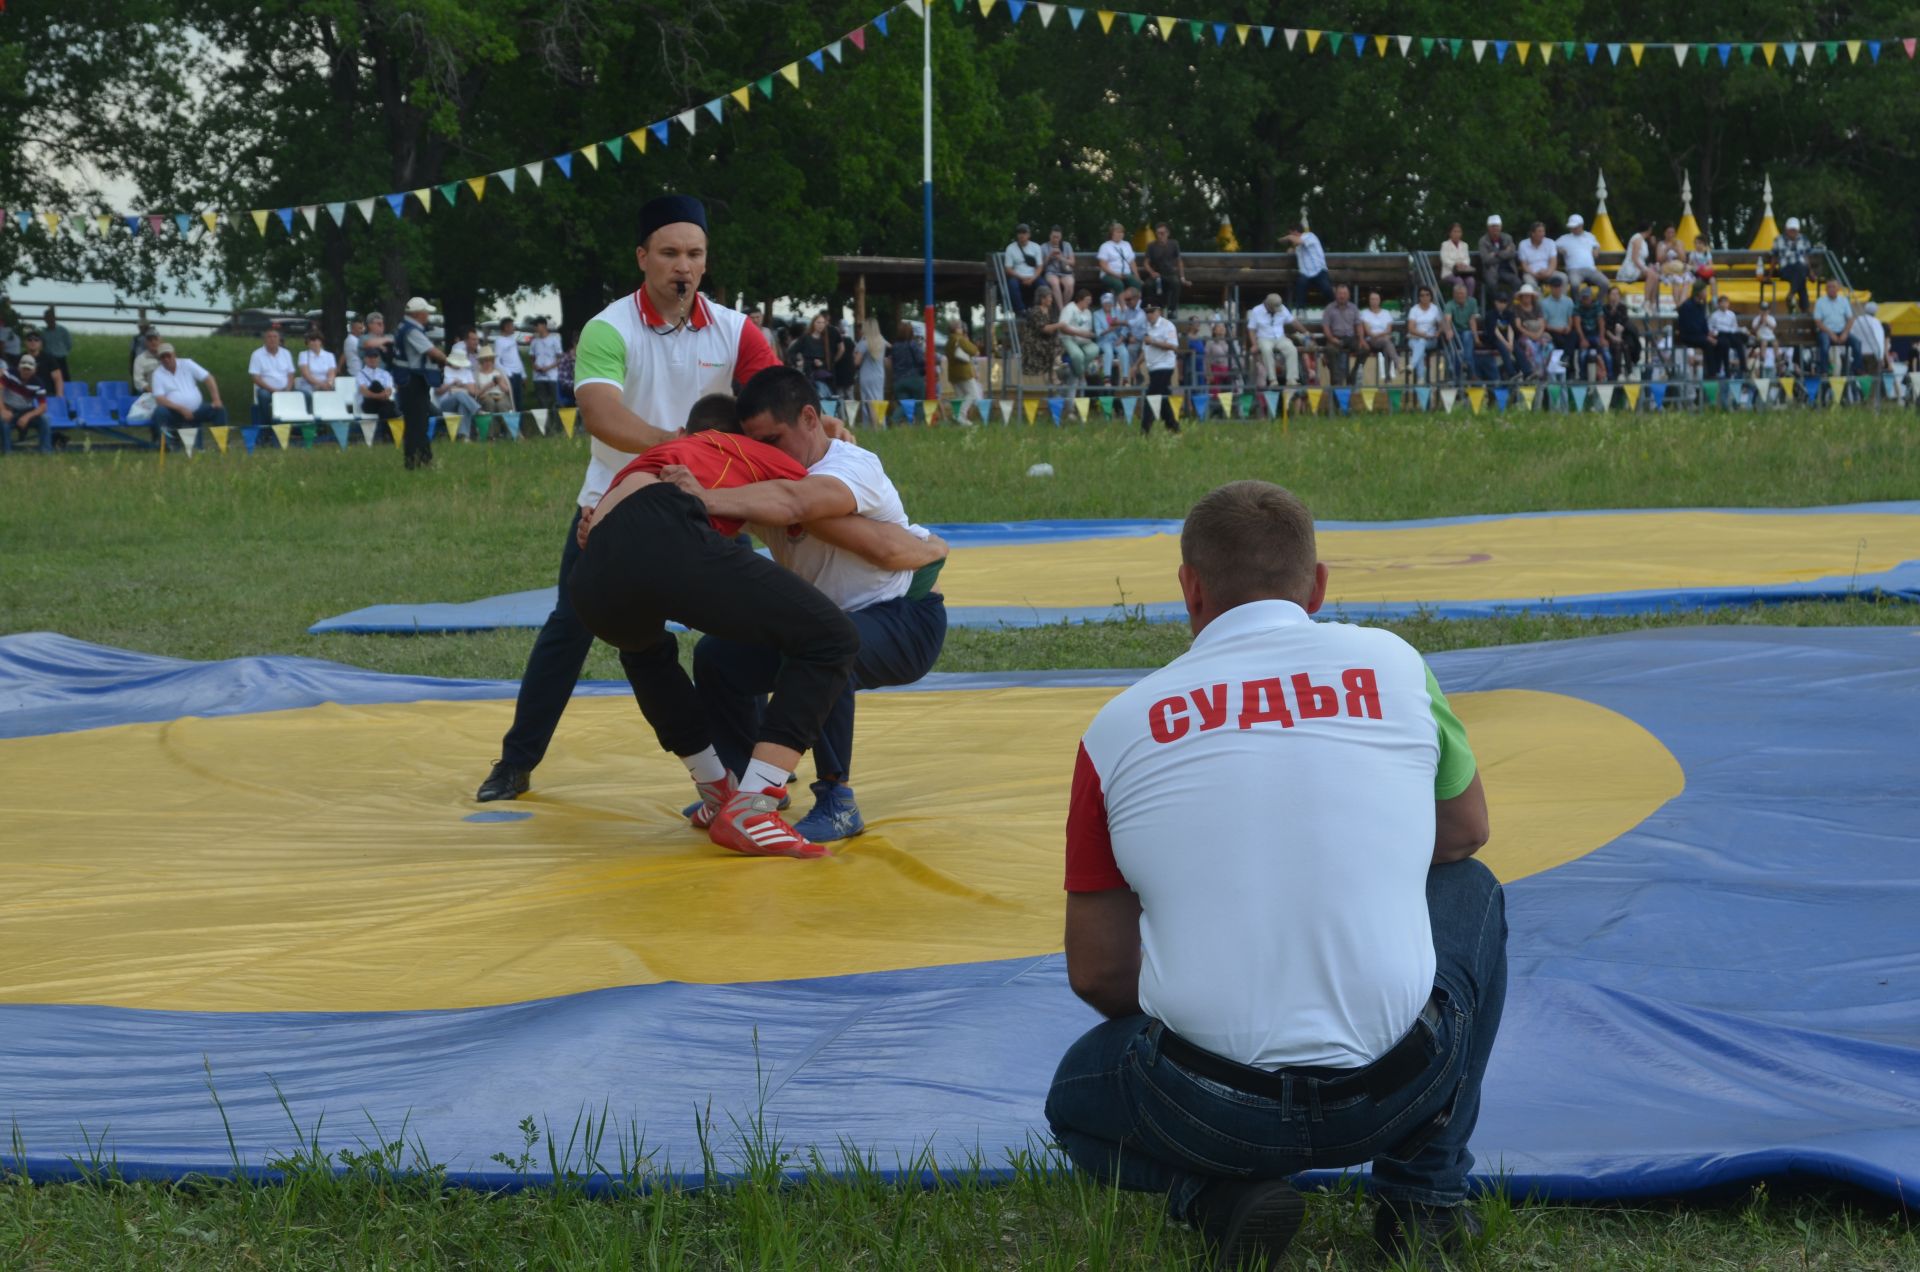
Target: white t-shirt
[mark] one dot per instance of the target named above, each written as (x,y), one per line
(1309,258)
(1723,322)
(275,368)
(1162,359)
(1116,258)
(368,377)
(848,580)
(1873,337)
(1264,324)
(506,355)
(1269,795)
(1535,257)
(1423,322)
(316,367)
(350,355)
(1078,320)
(1577,249)
(1632,269)
(452,377)
(1765,328)
(1378,322)
(180,386)
(545,349)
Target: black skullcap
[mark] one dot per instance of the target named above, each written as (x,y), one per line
(671,209)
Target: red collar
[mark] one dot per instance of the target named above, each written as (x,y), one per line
(697,319)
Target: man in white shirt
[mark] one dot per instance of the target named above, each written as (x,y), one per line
(902,621)
(176,393)
(1268,328)
(506,350)
(545,350)
(1872,334)
(1161,358)
(1271,900)
(1023,259)
(1539,258)
(1577,247)
(350,351)
(271,368)
(318,370)
(1309,265)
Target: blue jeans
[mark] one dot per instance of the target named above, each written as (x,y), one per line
(899,643)
(1127,1114)
(1112,351)
(165,417)
(1321,282)
(1827,343)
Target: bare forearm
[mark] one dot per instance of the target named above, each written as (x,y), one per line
(767,503)
(609,420)
(1115,1000)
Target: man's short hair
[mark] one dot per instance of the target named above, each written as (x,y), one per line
(778,391)
(716,412)
(1250,541)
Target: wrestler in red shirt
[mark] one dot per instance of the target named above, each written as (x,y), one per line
(650,555)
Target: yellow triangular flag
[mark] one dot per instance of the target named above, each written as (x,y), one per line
(1636,50)
(479,187)
(592,151)
(1241,29)
(639,138)
(567,415)
(1525,47)
(1380,45)
(1083,407)
(1633,395)
(394,430)
(1166,27)
(1527,392)
(1838,383)
(742,96)
(1313,39)
(1769,49)
(452,424)
(102,223)
(986,8)
(1546,53)
(1476,398)
(791,73)
(212,219)
(1226,404)
(220,434)
(1786,387)
(1853,50)
(1106,21)
(1313,400)
(1176,401)
(1033,409)
(282,433)
(52,219)
(260,221)
(425,197)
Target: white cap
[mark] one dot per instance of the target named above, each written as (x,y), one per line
(1793,222)
(1495,220)
(1873,306)
(418,306)
(1575,221)
(458,358)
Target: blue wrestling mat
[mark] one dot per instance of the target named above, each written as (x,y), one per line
(1028,573)
(1709,837)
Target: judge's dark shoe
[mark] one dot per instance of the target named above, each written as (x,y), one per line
(1425,1235)
(1248,1225)
(505,782)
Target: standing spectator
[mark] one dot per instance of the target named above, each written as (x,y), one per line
(147,362)
(57,341)
(1638,265)
(10,337)
(413,371)
(375,383)
(1024,260)
(1725,326)
(1116,260)
(1833,325)
(1497,350)
(1116,347)
(1690,330)
(1219,358)
(271,368)
(1460,327)
(177,400)
(350,351)
(1456,260)
(1376,327)
(1057,271)
(1340,332)
(909,364)
(1309,265)
(1670,256)
(1076,335)
(23,401)
(1792,256)
(1590,324)
(1557,308)
(843,362)
(1623,339)
(506,349)
(1765,333)
(961,351)
(816,355)
(318,369)
(1196,370)
(870,362)
(1162,345)
(1499,260)
(1165,270)
(1872,334)
(1577,248)
(378,338)
(454,395)
(56,380)
(1039,341)
(544,350)
(1423,334)
(490,388)
(1539,258)
(1269,328)
(1700,265)
(1530,333)
(570,363)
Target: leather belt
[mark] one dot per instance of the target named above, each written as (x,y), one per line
(1392,1072)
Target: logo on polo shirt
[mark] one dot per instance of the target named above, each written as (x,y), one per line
(710,366)
(1265,702)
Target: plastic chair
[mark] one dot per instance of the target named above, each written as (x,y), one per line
(76,389)
(291,408)
(114,389)
(329,406)
(59,412)
(97,412)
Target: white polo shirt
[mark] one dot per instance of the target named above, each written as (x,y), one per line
(181,385)
(1270,796)
(545,349)
(847,579)
(662,371)
(275,368)
(1576,249)
(1264,324)
(1535,257)
(506,354)
(1310,258)
(1163,331)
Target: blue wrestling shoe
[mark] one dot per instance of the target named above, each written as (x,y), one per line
(834,815)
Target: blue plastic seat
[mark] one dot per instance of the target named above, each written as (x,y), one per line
(97,412)
(76,389)
(119,389)
(59,412)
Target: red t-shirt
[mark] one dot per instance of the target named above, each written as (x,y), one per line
(718,461)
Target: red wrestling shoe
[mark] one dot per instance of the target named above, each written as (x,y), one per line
(750,823)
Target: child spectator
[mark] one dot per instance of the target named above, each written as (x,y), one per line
(1765,334)
(1530,326)
(1623,339)
(1725,326)
(1219,358)
(1590,323)
(1700,265)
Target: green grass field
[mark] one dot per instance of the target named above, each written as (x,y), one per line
(230,555)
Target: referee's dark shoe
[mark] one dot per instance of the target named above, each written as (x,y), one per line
(1410,1232)
(505,782)
(1248,1224)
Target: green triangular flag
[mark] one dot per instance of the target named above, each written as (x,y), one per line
(1700,54)
(1196,31)
(1711,390)
(1566,47)
(1426,46)
(765,85)
(1106,405)
(1833,50)
(1336,37)
(955,407)
(483,426)
(1865,383)
(959,6)
(449,190)
(614,146)
(1453,46)
(1137,20)
(1246,405)
(1746,53)
(1393,399)
(1554,393)
(306,434)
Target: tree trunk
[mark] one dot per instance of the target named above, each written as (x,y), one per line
(580,299)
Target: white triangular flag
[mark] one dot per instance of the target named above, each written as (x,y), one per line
(688,120)
(1292,34)
(1606,396)
(188,438)
(367,428)
(1680,54)
(312,214)
(1406,42)
(537,169)
(366,209)
(540,420)
(1806,52)
(1006,410)
(1046,14)
(1479,49)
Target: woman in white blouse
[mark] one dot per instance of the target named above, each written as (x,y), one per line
(1376,325)
(318,369)
(1423,333)
(1456,261)
(1638,266)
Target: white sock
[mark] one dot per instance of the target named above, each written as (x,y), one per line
(706,766)
(762,776)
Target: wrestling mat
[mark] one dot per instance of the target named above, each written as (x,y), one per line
(1029,573)
(266,875)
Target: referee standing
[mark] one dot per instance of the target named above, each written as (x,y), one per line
(642,363)
(414,359)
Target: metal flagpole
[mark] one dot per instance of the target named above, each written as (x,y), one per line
(926,180)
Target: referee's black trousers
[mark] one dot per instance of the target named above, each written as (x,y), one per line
(416,409)
(655,559)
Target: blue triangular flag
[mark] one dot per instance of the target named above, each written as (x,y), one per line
(1057,406)
(132,222)
(1128,406)
(881,23)
(286,218)
(338,211)
(339,428)
(396,202)
(183,223)
(1219,33)
(1341,398)
(1266,33)
(565,164)
(1658,392)
(714,108)
(1273,402)
(1873,47)
(911,406)
(1499,50)
(1593,51)
(1015,8)
(659,131)
(1425,395)
(1579,397)
(1725,51)
(1613,51)
(1500,399)
(819,60)
(249,435)
(1792,51)
(513,419)
(1360,45)
(1892,382)
(1074,16)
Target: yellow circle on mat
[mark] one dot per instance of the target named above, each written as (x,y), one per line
(323,859)
(1513,558)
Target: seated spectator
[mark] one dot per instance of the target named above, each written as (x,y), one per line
(1134,314)
(1672,260)
(36,348)
(1623,339)
(1499,258)
(1590,325)
(177,400)
(271,369)
(1116,261)
(1196,372)
(492,388)
(1557,308)
(23,402)
(1219,358)
(1023,260)
(909,356)
(57,344)
(1577,248)
(1729,341)
(1791,258)
(1165,270)
(1539,258)
(1110,333)
(1340,332)
(1075,329)
(1873,338)
(1269,329)
(318,369)
(1423,333)
(1690,330)
(1639,267)
(1460,327)
(1496,350)
(378,337)
(1765,335)
(1376,326)
(961,352)
(1057,271)
(455,395)
(1316,976)
(1700,265)
(375,382)
(1456,261)
(1833,325)
(1530,334)
(1309,265)
(1039,340)
(544,352)
(147,362)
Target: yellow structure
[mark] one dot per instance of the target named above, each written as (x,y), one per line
(1603,224)
(1689,228)
(1764,236)
(1225,237)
